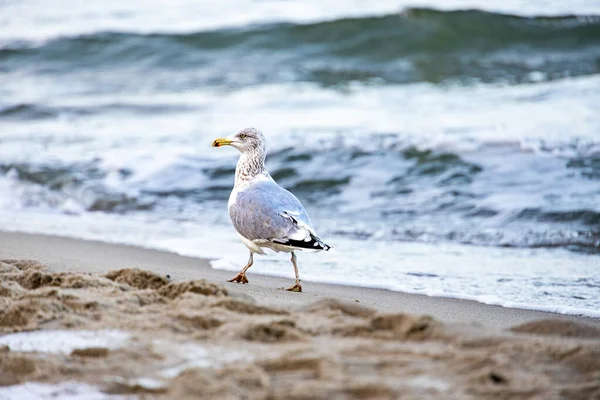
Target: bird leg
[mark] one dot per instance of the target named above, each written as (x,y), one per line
(241,276)
(297,287)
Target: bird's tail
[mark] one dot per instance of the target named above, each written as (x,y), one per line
(320,244)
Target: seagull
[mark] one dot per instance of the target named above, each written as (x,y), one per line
(265,215)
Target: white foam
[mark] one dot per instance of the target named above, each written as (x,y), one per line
(62,341)
(542,280)
(424,115)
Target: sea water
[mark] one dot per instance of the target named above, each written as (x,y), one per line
(447,148)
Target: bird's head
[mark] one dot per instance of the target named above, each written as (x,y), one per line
(248,139)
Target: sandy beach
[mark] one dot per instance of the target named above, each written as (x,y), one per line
(99,320)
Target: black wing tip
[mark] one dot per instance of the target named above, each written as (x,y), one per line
(314,244)
(321,243)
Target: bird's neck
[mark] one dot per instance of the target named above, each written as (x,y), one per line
(250,165)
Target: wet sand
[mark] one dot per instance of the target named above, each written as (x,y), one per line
(64,254)
(78,317)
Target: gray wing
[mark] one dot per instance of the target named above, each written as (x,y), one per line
(267,211)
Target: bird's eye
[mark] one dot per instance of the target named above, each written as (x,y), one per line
(242,136)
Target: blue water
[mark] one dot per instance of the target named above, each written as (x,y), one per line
(451,149)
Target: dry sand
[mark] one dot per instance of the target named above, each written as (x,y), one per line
(69,319)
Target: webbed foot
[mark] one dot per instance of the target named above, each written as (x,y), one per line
(296,288)
(239,278)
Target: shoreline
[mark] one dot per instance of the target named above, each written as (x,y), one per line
(90,319)
(63,254)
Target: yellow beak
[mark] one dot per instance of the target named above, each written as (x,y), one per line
(221,142)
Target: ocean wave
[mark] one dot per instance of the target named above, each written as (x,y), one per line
(32,111)
(74,188)
(578,241)
(400,193)
(413,46)
(584,216)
